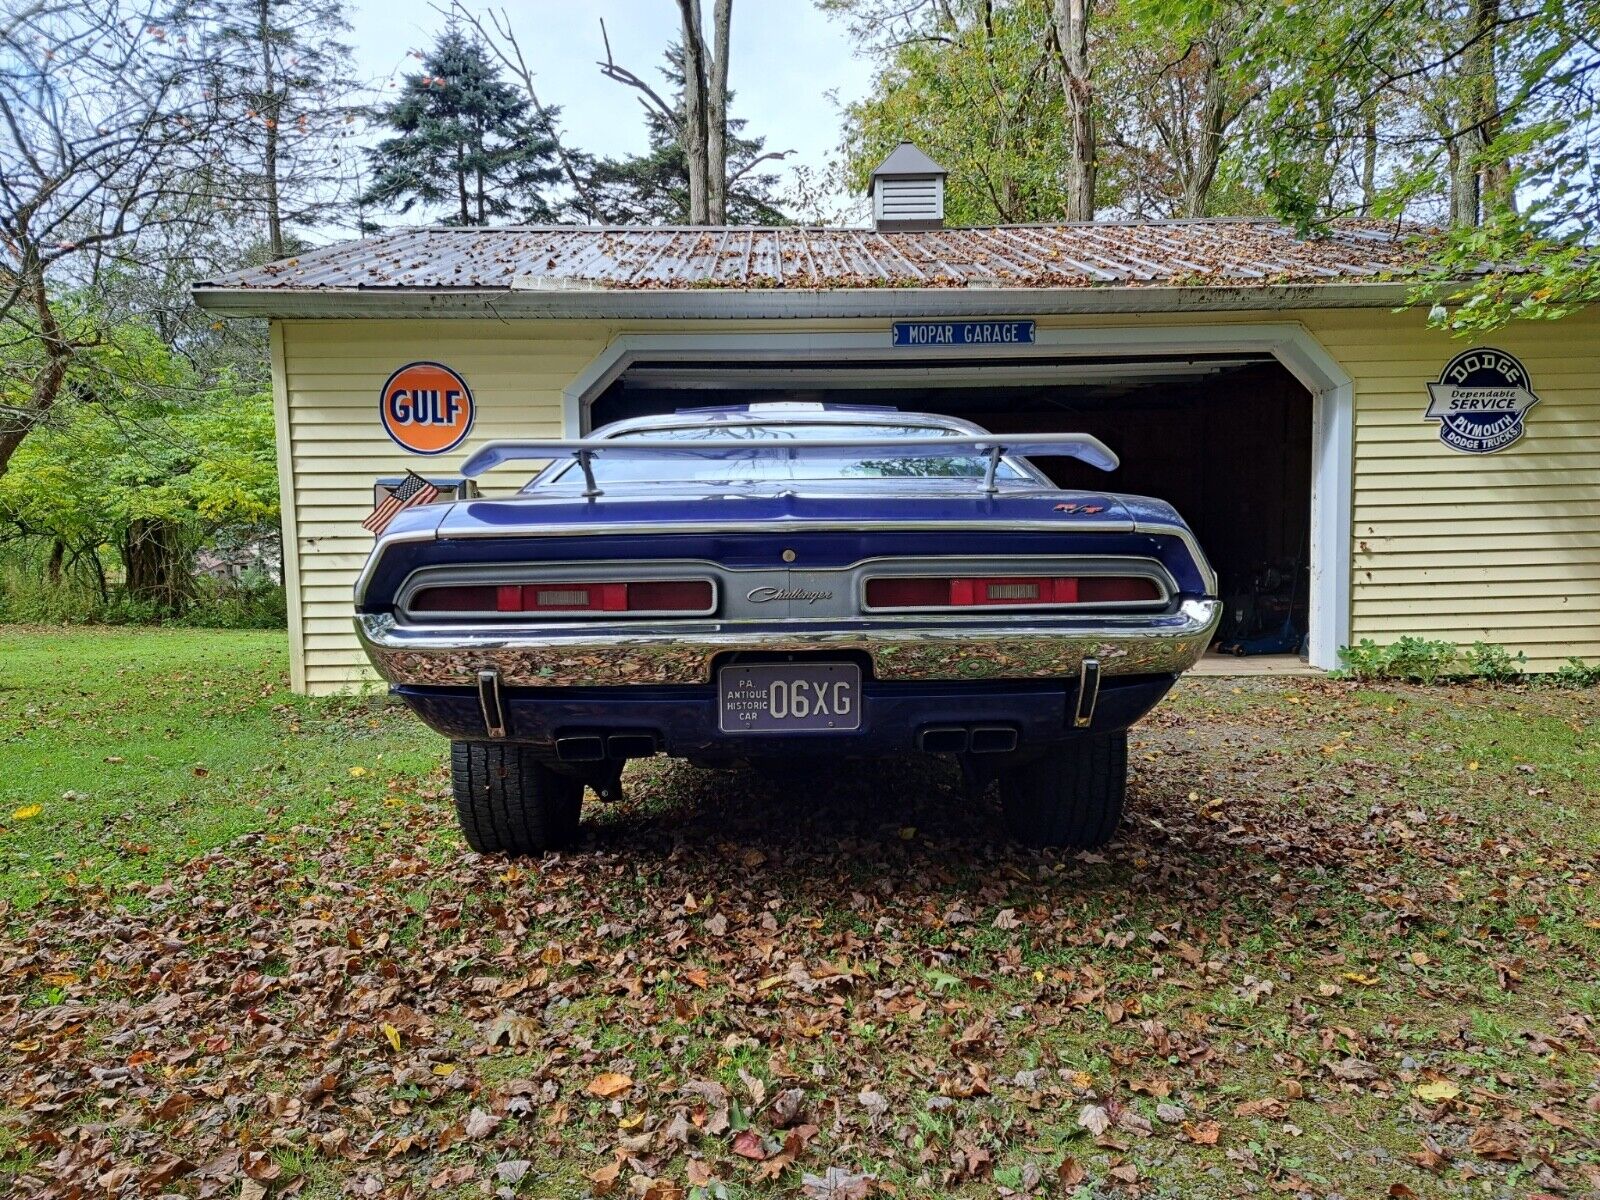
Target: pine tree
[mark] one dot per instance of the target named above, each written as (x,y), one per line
(463,137)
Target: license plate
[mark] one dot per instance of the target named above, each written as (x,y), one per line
(790,698)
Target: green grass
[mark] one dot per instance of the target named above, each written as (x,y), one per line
(145,748)
(1311,872)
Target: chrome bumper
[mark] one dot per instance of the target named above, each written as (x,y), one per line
(545,656)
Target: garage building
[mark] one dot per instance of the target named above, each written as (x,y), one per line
(1351,472)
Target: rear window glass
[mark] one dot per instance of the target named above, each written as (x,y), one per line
(765,462)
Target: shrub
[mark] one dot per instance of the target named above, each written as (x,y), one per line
(28,597)
(1414,659)
(1575,673)
(1495,663)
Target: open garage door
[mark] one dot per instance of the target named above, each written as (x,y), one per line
(1227,439)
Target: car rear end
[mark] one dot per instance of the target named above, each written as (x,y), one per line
(900,616)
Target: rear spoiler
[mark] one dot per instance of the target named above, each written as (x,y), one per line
(992,446)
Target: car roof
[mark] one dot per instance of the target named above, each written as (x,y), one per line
(780,412)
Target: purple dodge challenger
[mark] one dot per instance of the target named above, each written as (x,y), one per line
(744,585)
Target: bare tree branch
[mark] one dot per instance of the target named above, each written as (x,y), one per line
(652,100)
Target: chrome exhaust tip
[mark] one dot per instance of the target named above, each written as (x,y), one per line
(584,747)
(942,739)
(993,739)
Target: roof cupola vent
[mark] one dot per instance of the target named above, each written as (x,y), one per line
(908,191)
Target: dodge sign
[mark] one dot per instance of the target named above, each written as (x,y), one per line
(1481,401)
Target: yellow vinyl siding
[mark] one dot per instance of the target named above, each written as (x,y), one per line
(334,370)
(1502,547)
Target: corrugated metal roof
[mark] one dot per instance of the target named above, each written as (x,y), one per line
(1197,253)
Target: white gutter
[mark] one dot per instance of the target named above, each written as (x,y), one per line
(789,303)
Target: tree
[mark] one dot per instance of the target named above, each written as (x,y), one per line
(151,464)
(497,35)
(283,70)
(1170,105)
(1481,112)
(717,162)
(979,85)
(972,84)
(658,186)
(107,133)
(464,137)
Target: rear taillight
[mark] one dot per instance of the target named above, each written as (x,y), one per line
(919,591)
(644,596)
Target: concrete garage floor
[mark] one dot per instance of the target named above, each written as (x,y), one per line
(1255,664)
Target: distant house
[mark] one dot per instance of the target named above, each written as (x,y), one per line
(262,557)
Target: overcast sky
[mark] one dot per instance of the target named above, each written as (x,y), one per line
(786,58)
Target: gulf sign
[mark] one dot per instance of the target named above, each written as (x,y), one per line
(426,408)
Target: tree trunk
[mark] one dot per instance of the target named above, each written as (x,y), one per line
(695,113)
(51,377)
(58,555)
(156,562)
(1072,37)
(717,116)
(271,114)
(1474,178)
(1464,196)
(1369,156)
(1495,186)
(100,576)
(479,196)
(1208,143)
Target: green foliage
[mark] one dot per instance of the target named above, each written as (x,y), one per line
(1467,114)
(977,86)
(29,597)
(1413,659)
(1494,663)
(1541,273)
(146,463)
(982,100)
(465,139)
(1575,673)
(98,470)
(1422,660)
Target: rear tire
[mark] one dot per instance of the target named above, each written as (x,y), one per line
(1071,797)
(508,802)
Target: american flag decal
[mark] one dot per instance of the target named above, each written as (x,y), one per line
(413,489)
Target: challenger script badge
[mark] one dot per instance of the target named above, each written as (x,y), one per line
(761,595)
(1481,401)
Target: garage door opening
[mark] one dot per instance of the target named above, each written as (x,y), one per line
(1226,438)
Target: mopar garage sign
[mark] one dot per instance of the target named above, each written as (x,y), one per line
(963,333)
(1481,401)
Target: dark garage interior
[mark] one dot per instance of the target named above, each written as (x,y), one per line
(1225,439)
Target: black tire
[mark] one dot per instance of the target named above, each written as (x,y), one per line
(508,802)
(1071,797)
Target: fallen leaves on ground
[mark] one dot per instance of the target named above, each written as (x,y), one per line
(1288,959)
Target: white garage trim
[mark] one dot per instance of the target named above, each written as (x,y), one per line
(1332,416)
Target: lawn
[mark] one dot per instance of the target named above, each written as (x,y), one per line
(1346,945)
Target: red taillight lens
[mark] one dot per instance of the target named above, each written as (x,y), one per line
(1106,589)
(677,595)
(648,596)
(999,591)
(454,599)
(907,593)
